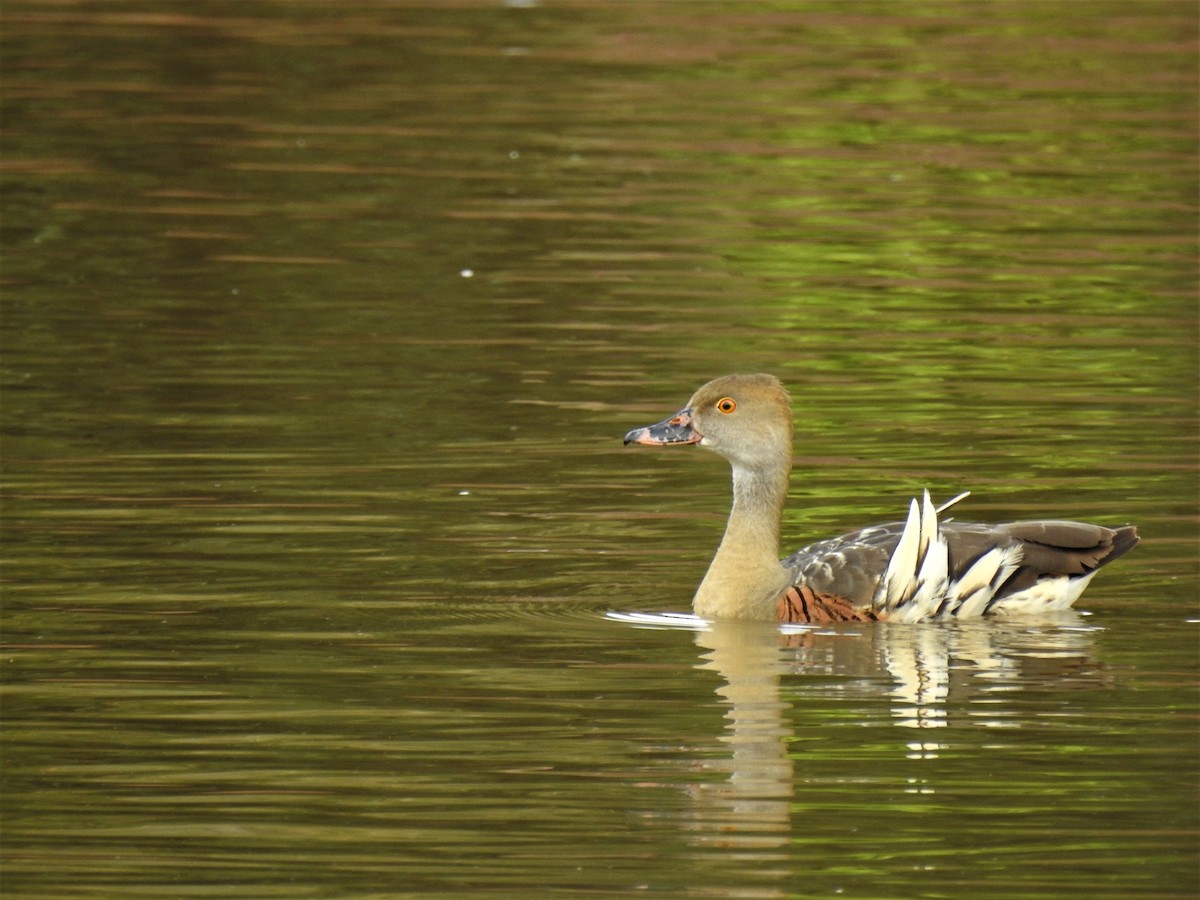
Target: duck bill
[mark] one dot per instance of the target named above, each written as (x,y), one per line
(678,429)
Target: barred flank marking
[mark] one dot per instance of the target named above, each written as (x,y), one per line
(800,603)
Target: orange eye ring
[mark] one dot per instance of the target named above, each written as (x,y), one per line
(726,405)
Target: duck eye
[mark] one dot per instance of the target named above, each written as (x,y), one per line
(726,404)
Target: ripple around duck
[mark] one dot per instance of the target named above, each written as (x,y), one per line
(688,621)
(692,622)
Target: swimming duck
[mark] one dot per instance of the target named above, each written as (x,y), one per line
(908,571)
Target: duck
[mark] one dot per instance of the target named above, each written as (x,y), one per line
(926,567)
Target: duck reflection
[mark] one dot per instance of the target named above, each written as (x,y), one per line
(935,667)
(750,809)
(929,675)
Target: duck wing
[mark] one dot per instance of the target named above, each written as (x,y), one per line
(922,568)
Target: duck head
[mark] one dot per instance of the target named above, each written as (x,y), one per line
(745,418)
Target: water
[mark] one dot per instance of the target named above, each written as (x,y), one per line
(323,323)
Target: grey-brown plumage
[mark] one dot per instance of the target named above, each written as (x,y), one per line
(852,565)
(904,571)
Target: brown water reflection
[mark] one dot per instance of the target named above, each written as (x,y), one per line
(322,323)
(968,668)
(891,716)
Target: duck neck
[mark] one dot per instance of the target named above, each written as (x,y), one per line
(746,577)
